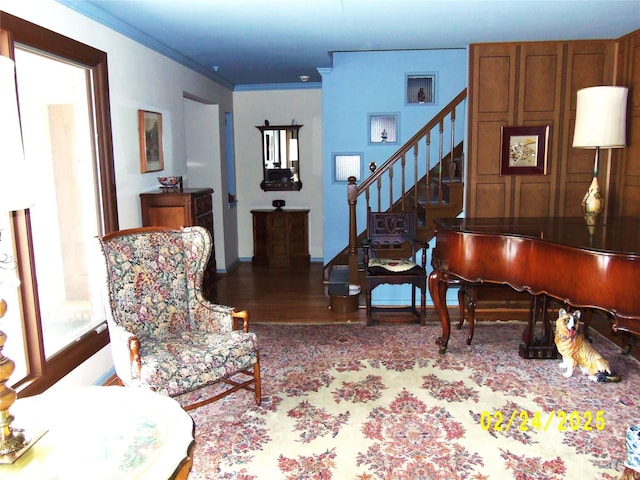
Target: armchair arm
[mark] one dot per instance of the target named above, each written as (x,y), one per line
(125,349)
(211,317)
(135,361)
(241,315)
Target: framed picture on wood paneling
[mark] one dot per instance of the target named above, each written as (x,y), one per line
(150,133)
(524,150)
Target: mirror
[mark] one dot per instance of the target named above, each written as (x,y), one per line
(280,160)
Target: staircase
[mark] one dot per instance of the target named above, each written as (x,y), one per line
(424,175)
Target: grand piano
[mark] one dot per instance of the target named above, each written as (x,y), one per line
(593,265)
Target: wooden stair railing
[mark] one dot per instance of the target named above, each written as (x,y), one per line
(430,189)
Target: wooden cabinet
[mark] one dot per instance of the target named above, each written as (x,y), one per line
(184,208)
(281,237)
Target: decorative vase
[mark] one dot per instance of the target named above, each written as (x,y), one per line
(592,202)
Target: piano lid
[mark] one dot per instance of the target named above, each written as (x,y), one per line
(619,235)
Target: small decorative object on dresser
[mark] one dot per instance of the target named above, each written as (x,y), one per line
(171,182)
(278,204)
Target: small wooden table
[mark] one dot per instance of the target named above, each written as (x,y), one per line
(281,237)
(103,433)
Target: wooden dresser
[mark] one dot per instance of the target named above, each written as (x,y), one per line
(184,208)
(281,237)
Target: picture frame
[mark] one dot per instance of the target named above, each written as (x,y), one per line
(524,150)
(420,89)
(345,165)
(150,134)
(383,128)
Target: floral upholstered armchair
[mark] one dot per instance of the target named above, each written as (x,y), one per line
(164,334)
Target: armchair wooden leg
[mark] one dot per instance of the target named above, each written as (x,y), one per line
(258,380)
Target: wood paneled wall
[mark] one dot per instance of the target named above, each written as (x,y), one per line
(535,84)
(627,176)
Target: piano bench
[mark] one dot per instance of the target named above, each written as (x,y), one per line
(470,294)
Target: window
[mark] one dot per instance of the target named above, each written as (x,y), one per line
(421,88)
(63,99)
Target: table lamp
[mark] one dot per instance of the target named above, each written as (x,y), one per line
(14,195)
(600,123)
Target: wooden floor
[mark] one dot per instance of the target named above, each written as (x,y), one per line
(297,295)
(281,295)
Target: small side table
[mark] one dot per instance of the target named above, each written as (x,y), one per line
(103,433)
(281,237)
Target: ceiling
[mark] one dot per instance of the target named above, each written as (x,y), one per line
(255,42)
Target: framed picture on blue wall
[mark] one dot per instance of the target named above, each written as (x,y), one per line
(383,128)
(421,89)
(347,165)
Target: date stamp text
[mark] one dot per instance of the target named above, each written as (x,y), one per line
(542,421)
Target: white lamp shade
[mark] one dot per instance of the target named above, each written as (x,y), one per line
(601,117)
(15,193)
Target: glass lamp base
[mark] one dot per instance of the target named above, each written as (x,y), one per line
(593,201)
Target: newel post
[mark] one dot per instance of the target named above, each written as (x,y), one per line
(352,198)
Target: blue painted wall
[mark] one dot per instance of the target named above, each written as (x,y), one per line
(361,83)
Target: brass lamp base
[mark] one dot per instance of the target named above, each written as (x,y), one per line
(9,458)
(13,442)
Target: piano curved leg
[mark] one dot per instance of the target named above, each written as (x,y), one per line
(462,307)
(631,341)
(473,303)
(438,289)
(467,303)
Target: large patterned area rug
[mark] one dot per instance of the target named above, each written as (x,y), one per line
(357,402)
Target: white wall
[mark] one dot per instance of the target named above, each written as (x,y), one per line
(204,164)
(280,107)
(139,78)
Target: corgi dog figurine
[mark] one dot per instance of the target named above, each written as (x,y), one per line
(577,352)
